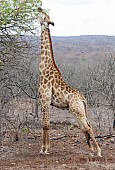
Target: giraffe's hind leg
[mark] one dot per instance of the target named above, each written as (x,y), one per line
(87,129)
(87,135)
(77,108)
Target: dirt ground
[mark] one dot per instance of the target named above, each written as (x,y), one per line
(69,151)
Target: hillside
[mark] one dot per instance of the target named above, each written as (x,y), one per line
(89,45)
(86,64)
(84,47)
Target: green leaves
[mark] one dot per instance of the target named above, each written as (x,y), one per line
(17,18)
(26,130)
(18,15)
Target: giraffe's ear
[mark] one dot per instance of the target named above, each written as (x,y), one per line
(40,9)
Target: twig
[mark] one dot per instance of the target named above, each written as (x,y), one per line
(105,136)
(61,137)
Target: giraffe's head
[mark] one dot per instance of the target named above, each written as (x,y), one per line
(44,19)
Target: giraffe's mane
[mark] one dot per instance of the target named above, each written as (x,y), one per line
(52,52)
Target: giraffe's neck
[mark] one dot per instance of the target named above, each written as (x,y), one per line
(47,59)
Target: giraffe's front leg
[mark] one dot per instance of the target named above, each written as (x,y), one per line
(46,141)
(46,133)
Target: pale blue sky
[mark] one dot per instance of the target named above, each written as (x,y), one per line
(81,17)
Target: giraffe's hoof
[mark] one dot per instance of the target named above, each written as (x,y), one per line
(45,149)
(91,154)
(44,153)
(99,154)
(41,152)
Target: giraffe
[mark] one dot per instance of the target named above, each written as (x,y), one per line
(54,91)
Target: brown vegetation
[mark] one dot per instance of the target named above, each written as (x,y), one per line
(86,63)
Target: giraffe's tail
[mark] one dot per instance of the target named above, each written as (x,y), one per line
(85,106)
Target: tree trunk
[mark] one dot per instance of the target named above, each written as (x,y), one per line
(36,108)
(114,122)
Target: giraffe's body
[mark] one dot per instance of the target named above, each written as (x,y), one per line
(54,91)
